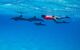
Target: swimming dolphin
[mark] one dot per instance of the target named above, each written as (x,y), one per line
(19,18)
(39,24)
(34,19)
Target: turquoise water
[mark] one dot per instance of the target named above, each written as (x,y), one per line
(22,35)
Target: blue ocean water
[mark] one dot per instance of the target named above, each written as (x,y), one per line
(24,35)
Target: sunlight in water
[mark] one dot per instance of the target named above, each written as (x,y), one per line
(39,25)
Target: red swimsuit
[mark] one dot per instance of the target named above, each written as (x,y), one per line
(49,17)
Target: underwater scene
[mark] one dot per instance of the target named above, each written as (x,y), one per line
(39,24)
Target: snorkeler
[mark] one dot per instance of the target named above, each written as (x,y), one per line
(57,19)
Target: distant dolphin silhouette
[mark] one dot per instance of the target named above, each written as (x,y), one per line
(39,24)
